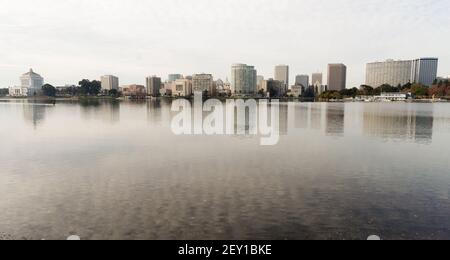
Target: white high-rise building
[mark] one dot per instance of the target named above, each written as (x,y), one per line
(31,85)
(390,72)
(424,71)
(401,72)
(109,82)
(282,74)
(243,79)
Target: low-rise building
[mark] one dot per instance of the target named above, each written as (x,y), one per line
(165,92)
(203,83)
(182,88)
(133,90)
(296,91)
(393,97)
(18,91)
(275,88)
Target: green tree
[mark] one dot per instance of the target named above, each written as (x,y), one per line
(308,93)
(49,90)
(96,87)
(4,92)
(366,90)
(419,90)
(406,87)
(113,93)
(88,87)
(261,92)
(330,95)
(349,92)
(386,88)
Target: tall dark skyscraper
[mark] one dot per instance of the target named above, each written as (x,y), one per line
(337,76)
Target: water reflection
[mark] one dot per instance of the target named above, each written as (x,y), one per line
(135,180)
(335,119)
(403,124)
(35,112)
(159,112)
(384,121)
(315,115)
(105,110)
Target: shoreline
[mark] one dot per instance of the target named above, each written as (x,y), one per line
(281,99)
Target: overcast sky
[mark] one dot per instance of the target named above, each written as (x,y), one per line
(68,40)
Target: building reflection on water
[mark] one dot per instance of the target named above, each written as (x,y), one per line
(398,124)
(105,110)
(35,112)
(328,118)
(335,119)
(399,121)
(159,111)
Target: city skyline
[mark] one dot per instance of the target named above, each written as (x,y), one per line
(99,40)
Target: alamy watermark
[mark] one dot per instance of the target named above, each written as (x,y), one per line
(235,116)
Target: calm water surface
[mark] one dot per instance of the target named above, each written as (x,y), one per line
(115,170)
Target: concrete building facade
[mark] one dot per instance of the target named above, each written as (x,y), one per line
(203,83)
(109,82)
(282,74)
(317,79)
(182,88)
(302,80)
(275,88)
(401,72)
(243,79)
(389,72)
(153,85)
(30,85)
(424,71)
(337,76)
(133,90)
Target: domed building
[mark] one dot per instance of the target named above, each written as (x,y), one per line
(31,85)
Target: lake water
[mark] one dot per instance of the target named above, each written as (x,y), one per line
(115,170)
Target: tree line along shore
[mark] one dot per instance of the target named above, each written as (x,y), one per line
(92,90)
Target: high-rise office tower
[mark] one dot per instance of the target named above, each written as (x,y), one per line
(243,79)
(302,80)
(259,80)
(153,85)
(110,82)
(424,70)
(282,74)
(337,76)
(317,79)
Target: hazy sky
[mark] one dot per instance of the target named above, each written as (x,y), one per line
(68,40)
